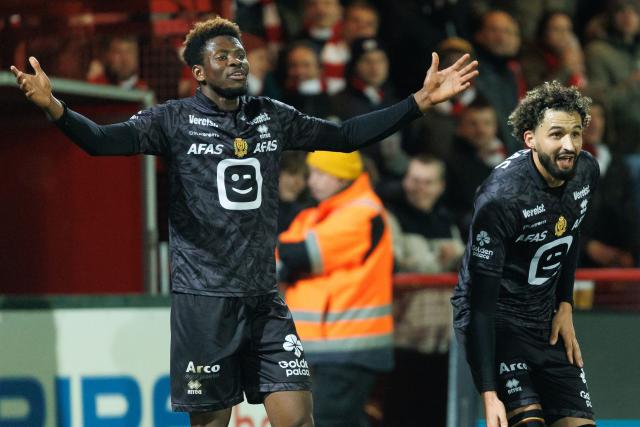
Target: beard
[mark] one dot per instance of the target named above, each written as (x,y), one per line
(550,165)
(232,92)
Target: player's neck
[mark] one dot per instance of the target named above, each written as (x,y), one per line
(225,104)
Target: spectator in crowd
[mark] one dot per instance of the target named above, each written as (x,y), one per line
(323,29)
(120,66)
(476,152)
(612,65)
(433,132)
(501,81)
(368,90)
(361,20)
(611,234)
(425,240)
(338,261)
(260,79)
(305,88)
(556,53)
(292,188)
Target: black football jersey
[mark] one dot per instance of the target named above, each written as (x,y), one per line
(522,232)
(223,171)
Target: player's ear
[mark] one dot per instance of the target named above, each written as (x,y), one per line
(198,72)
(529,140)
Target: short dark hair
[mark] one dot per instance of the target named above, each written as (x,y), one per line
(548,96)
(428,160)
(201,33)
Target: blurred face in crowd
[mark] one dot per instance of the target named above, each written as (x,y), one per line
(594,133)
(478,126)
(423,184)
(556,143)
(627,21)
(373,68)
(122,58)
(558,32)
(302,65)
(291,185)
(323,185)
(259,60)
(499,34)
(359,22)
(322,13)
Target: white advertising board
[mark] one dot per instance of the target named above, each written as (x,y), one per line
(91,367)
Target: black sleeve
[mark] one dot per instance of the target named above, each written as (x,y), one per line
(97,140)
(295,257)
(481,341)
(310,133)
(564,288)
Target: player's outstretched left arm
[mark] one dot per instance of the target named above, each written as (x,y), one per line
(37,88)
(562,325)
(441,85)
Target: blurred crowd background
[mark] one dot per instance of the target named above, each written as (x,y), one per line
(337,59)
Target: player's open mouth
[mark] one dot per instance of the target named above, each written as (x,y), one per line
(238,75)
(565,161)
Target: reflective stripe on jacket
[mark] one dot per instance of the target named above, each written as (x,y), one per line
(343,309)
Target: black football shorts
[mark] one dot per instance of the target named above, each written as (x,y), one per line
(222,347)
(530,370)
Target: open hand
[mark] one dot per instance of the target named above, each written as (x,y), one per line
(441,85)
(562,325)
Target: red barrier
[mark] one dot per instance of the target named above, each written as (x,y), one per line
(446,280)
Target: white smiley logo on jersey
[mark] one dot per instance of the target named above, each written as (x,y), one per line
(235,178)
(239,184)
(547,260)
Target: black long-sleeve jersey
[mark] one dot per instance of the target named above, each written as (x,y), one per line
(524,235)
(223,174)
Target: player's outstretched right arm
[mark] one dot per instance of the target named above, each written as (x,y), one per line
(110,140)
(37,88)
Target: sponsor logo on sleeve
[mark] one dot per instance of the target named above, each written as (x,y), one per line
(478,251)
(292,343)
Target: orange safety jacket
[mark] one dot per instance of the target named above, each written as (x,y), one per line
(342,309)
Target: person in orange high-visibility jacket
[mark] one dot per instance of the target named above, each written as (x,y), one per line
(337,261)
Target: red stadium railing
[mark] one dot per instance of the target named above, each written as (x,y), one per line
(615,288)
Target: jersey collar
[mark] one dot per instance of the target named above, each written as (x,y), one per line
(202,100)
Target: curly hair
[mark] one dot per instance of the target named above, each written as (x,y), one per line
(548,96)
(195,42)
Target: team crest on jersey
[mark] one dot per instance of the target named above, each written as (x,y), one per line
(240,147)
(561,226)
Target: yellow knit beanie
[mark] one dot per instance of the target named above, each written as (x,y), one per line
(341,165)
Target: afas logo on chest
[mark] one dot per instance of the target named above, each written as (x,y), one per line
(534,237)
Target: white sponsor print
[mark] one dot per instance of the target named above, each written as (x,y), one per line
(202,369)
(483,238)
(205,134)
(586,397)
(513,386)
(535,224)
(260,118)
(202,121)
(520,366)
(264,132)
(583,376)
(535,237)
(239,184)
(528,213)
(292,343)
(194,387)
(205,149)
(265,146)
(577,195)
(546,262)
(295,367)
